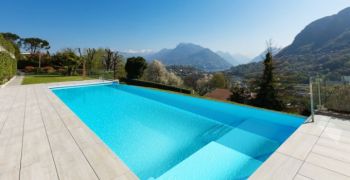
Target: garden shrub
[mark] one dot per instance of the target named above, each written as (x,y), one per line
(8,67)
(29,69)
(49,69)
(339,98)
(21,64)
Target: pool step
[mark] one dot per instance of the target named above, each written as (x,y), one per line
(215,132)
(254,145)
(213,161)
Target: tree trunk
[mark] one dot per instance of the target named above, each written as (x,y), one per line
(84,69)
(114,71)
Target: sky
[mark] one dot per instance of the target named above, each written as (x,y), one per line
(235,26)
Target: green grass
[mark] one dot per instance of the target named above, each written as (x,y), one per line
(38,79)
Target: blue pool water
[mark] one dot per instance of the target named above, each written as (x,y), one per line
(170,136)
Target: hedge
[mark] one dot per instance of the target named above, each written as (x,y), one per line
(155,85)
(8,67)
(7,45)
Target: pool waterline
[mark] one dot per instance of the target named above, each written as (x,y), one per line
(154,131)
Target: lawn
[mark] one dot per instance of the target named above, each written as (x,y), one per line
(37,79)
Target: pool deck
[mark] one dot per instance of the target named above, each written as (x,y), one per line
(41,138)
(319,150)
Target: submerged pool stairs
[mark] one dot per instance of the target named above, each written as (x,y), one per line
(224,158)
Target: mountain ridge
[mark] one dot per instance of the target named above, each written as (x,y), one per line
(189,54)
(322,47)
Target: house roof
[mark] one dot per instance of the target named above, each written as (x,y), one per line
(221,94)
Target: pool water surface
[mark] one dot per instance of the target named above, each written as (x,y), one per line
(170,136)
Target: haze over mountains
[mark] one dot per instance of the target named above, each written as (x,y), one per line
(189,54)
(234,59)
(323,47)
(261,56)
(192,55)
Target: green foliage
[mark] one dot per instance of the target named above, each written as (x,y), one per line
(323,47)
(218,81)
(135,67)
(15,41)
(8,45)
(239,94)
(33,45)
(68,60)
(267,94)
(156,72)
(338,98)
(10,36)
(113,62)
(203,85)
(8,67)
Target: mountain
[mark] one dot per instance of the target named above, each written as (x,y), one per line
(328,34)
(261,56)
(188,54)
(234,59)
(242,59)
(228,57)
(322,47)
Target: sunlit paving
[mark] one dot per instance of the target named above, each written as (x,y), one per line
(175,90)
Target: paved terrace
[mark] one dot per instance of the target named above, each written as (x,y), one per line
(40,138)
(319,150)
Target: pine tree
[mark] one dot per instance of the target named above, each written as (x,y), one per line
(267,94)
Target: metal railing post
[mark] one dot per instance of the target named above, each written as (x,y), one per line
(311,102)
(319,93)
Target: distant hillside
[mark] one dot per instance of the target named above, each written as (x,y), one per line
(188,54)
(234,59)
(326,35)
(261,56)
(323,47)
(228,57)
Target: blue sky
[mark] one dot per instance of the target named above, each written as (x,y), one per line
(236,26)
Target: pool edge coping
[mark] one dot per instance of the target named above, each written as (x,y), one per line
(50,86)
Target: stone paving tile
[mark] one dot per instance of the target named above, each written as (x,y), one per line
(40,138)
(278,166)
(323,149)
(315,172)
(298,145)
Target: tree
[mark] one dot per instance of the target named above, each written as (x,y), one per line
(34,45)
(267,94)
(218,81)
(116,61)
(202,84)
(111,61)
(174,80)
(135,67)
(156,72)
(82,62)
(89,58)
(11,36)
(239,94)
(67,59)
(107,59)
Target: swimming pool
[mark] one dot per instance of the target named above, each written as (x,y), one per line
(165,135)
